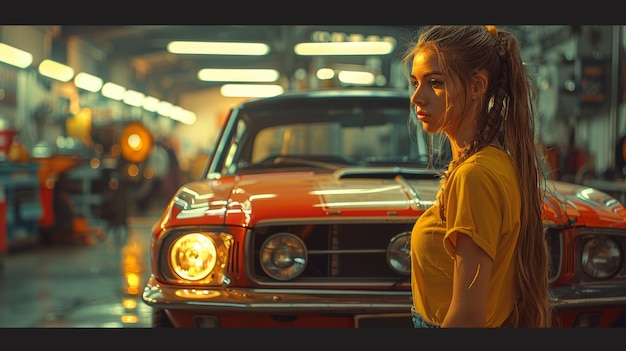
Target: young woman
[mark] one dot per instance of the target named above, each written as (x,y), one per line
(479,256)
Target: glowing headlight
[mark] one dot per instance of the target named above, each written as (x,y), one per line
(193,256)
(399,254)
(601,257)
(283,256)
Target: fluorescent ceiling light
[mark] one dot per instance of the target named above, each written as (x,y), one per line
(175,111)
(88,82)
(55,70)
(238,75)
(250,90)
(353,48)
(217,48)
(14,56)
(164,108)
(325,73)
(113,91)
(133,98)
(150,103)
(188,117)
(356,77)
(179,114)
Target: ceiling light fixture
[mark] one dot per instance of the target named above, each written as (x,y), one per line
(217,48)
(88,82)
(356,77)
(14,56)
(164,108)
(251,90)
(133,98)
(150,103)
(325,73)
(238,75)
(353,48)
(113,91)
(55,70)
(181,115)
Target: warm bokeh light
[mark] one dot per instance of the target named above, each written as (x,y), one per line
(129,319)
(344,48)
(250,90)
(238,75)
(217,48)
(88,82)
(55,70)
(356,77)
(14,56)
(164,108)
(133,170)
(133,98)
(325,73)
(113,91)
(150,103)
(181,115)
(129,303)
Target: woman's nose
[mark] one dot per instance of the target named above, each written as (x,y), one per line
(416,97)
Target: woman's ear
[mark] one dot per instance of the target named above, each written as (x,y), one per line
(479,85)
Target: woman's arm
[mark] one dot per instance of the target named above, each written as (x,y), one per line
(472,273)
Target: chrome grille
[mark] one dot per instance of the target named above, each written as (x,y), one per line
(233,257)
(350,253)
(555,244)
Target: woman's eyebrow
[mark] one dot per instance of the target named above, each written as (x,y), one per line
(430,73)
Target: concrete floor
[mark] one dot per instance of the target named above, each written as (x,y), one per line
(95,283)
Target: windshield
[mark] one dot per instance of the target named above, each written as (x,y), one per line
(324,134)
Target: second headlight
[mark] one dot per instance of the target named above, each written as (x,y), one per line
(399,253)
(283,256)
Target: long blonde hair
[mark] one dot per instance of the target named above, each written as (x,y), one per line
(509,118)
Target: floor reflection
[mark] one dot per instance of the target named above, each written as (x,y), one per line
(89,285)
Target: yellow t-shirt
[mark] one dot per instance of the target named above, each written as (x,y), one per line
(483,202)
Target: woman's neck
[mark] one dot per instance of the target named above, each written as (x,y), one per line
(458,146)
(460,140)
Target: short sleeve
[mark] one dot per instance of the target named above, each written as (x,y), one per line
(474,207)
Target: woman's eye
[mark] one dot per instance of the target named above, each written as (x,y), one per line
(435,83)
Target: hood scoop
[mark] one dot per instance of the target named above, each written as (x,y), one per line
(386,173)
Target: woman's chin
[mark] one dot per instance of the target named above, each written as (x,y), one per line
(429,128)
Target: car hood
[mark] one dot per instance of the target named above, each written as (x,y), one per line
(569,204)
(248,199)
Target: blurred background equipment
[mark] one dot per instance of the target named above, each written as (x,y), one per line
(7,133)
(20,205)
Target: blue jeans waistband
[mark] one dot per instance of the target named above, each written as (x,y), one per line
(419,321)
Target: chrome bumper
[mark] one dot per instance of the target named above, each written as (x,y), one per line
(569,297)
(277,300)
(343,301)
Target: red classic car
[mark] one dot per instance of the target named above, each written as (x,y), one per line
(303,214)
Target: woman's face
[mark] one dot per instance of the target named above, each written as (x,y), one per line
(429,94)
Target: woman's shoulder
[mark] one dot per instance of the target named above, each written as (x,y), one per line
(487,162)
(488,157)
